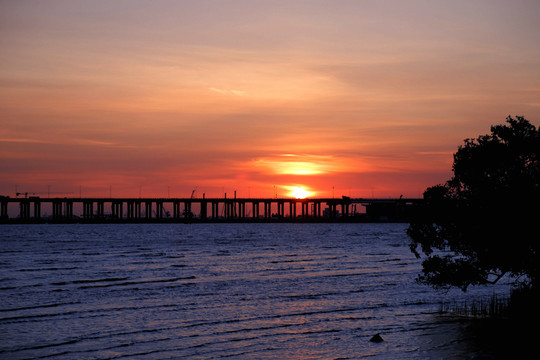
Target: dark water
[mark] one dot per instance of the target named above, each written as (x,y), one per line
(204,291)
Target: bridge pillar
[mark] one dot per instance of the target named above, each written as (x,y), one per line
(137,209)
(228,210)
(234,209)
(88,209)
(117,209)
(344,209)
(254,210)
(292,209)
(100,211)
(130,209)
(27,210)
(187,209)
(57,210)
(68,209)
(148,209)
(215,209)
(159,210)
(176,209)
(24,206)
(267,209)
(4,210)
(37,209)
(204,210)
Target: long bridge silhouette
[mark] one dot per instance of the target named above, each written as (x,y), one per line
(99,209)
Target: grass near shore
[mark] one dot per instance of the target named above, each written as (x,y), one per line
(522,303)
(504,327)
(492,307)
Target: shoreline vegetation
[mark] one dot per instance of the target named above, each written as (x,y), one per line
(503,327)
(466,240)
(495,306)
(460,231)
(521,305)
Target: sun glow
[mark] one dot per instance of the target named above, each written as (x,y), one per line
(294,164)
(299,192)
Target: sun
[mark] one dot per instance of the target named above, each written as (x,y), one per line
(299,192)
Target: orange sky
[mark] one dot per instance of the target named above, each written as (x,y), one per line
(157,98)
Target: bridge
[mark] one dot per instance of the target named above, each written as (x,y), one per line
(95,209)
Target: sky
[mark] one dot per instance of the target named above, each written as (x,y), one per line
(360,98)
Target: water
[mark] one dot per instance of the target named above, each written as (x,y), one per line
(204,291)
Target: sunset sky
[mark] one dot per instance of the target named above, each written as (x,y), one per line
(158,98)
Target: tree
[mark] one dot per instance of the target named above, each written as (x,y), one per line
(484,223)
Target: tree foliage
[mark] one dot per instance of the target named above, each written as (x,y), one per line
(484,223)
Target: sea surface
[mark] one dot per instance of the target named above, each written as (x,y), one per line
(210,291)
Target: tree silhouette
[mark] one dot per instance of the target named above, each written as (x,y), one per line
(483,223)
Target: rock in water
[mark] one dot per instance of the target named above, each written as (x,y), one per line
(376,338)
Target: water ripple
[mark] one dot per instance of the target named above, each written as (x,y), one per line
(168,291)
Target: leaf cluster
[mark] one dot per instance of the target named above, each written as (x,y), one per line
(483,223)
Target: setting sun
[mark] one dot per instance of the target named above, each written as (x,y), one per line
(299,192)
